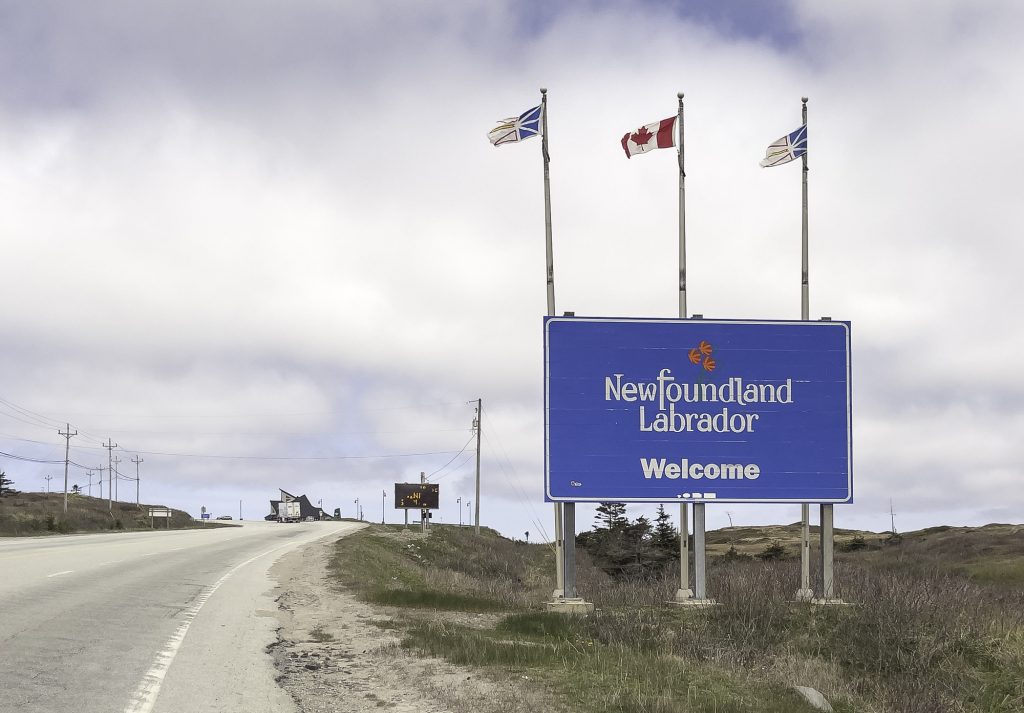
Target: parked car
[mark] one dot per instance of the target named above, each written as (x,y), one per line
(224,517)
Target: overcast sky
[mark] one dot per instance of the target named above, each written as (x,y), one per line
(277,230)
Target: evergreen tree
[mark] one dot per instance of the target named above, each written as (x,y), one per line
(665,537)
(5,485)
(611,516)
(606,542)
(642,559)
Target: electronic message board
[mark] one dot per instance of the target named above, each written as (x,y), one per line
(658,410)
(417,496)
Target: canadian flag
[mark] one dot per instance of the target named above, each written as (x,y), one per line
(659,135)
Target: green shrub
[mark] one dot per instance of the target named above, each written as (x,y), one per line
(772,551)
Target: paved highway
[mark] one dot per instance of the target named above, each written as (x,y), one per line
(144,622)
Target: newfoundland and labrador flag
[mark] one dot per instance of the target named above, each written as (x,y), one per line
(659,135)
(789,147)
(517,128)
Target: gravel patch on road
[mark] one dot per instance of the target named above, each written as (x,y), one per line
(331,656)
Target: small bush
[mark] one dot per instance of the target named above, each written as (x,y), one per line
(853,544)
(319,635)
(772,551)
(734,555)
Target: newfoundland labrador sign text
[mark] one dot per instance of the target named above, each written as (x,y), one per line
(656,410)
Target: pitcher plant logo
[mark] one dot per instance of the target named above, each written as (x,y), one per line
(701,354)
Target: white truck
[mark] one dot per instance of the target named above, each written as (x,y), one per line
(288,511)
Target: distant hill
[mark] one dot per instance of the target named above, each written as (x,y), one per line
(753,539)
(41,514)
(992,553)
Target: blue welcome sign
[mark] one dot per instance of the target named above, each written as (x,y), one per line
(658,410)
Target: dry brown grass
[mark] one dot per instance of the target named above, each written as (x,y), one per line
(42,514)
(918,639)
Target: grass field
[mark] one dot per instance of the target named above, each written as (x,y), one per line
(926,633)
(41,514)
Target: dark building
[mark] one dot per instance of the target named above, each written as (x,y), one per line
(306,508)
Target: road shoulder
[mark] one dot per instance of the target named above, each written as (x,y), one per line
(335,653)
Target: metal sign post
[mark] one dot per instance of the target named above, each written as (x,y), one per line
(422,496)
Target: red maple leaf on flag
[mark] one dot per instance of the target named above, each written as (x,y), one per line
(641,136)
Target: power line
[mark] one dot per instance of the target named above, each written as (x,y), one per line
(29,460)
(453,457)
(243,457)
(458,468)
(537,521)
(276,414)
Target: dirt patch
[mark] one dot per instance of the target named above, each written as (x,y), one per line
(337,654)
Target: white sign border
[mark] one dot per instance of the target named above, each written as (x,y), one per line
(654,320)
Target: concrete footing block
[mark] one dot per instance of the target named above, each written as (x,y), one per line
(575,605)
(804,595)
(814,697)
(693,603)
(832,602)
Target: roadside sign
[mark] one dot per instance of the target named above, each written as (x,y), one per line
(417,496)
(159,512)
(659,410)
(205,515)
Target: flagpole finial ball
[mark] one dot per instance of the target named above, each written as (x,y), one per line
(679,94)
(543,90)
(803,99)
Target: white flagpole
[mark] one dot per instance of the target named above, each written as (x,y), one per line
(805,305)
(825,533)
(547,202)
(684,592)
(805,593)
(550,270)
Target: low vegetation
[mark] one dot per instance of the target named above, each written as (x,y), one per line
(915,640)
(42,514)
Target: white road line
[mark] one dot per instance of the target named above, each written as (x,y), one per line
(145,697)
(57,574)
(175,549)
(110,562)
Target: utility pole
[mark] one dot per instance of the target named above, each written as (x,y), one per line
(117,475)
(136,460)
(48,478)
(477,424)
(423,511)
(110,446)
(730,517)
(67,449)
(100,468)
(458,501)
(892,516)
(383,504)
(89,473)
